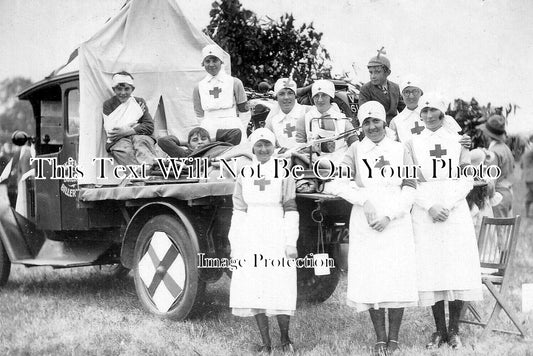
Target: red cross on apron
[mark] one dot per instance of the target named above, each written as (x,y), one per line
(215,91)
(382,162)
(438,152)
(261,183)
(417,129)
(289,129)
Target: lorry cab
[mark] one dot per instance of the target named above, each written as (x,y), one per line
(52,202)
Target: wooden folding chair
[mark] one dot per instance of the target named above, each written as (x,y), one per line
(496,244)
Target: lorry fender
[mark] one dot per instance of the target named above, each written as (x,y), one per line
(141,216)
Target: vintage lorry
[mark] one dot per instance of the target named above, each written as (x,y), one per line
(157,228)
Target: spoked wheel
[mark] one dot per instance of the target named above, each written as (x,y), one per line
(5,265)
(165,273)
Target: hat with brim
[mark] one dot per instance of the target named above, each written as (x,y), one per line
(495,127)
(262,134)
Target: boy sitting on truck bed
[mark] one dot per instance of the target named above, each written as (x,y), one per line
(128,124)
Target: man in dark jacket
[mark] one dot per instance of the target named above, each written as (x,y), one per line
(380,89)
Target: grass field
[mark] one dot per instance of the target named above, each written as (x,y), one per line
(84,312)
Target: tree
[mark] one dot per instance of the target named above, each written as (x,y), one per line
(16,114)
(471,115)
(267,50)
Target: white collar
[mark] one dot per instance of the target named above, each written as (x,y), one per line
(366,145)
(221,76)
(281,115)
(406,113)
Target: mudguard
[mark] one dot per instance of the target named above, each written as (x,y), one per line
(141,216)
(19,236)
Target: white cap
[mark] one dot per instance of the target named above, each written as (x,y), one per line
(371,109)
(433,100)
(323,86)
(122,79)
(212,50)
(284,83)
(262,134)
(410,81)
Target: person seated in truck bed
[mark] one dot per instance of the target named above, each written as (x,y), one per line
(324,120)
(198,138)
(128,124)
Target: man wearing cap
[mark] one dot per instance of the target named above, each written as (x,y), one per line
(446,248)
(219,97)
(282,122)
(494,132)
(380,89)
(128,124)
(325,120)
(381,272)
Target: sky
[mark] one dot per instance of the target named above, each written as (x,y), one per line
(458,48)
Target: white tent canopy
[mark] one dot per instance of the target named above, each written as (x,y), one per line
(154,42)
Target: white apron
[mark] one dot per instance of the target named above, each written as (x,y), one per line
(381,265)
(218,103)
(447,254)
(254,286)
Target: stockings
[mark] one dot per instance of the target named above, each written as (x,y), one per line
(395,320)
(378,319)
(455,308)
(283,323)
(440,318)
(263,325)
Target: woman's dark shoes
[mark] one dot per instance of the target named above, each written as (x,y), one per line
(393,346)
(287,347)
(380,349)
(455,341)
(437,339)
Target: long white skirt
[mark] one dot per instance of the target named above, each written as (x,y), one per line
(447,254)
(381,265)
(263,284)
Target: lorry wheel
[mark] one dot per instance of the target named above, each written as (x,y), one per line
(165,269)
(5,265)
(317,289)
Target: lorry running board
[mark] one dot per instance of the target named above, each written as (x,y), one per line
(68,254)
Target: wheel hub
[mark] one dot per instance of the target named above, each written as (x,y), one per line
(162,270)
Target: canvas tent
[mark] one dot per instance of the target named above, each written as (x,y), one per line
(154,42)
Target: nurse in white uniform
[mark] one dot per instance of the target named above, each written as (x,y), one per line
(263,235)
(446,250)
(381,260)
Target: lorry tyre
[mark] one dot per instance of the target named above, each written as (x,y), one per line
(312,288)
(5,265)
(165,268)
